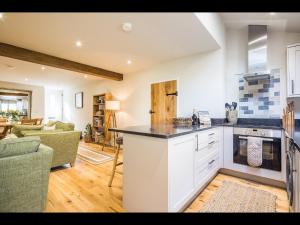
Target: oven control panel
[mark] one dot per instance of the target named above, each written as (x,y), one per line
(257,132)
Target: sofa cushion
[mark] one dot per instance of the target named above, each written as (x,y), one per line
(49,127)
(19,146)
(18,128)
(9,136)
(64,126)
(51,123)
(37,132)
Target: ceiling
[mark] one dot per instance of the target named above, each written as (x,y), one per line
(289,22)
(12,70)
(155,38)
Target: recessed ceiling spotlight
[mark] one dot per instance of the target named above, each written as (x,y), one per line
(85,76)
(272,13)
(43,68)
(26,79)
(78,43)
(127,27)
(129,62)
(1,15)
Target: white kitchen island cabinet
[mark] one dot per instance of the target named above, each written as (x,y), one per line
(165,167)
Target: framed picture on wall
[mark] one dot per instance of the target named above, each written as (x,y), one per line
(79,100)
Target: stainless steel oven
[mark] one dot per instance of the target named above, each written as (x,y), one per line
(271,148)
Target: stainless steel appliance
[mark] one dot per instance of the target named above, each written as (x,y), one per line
(292,176)
(271,148)
(257,53)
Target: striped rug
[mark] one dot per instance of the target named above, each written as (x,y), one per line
(92,156)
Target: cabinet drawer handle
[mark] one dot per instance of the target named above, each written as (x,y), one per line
(292,86)
(212,142)
(211,162)
(197,148)
(211,134)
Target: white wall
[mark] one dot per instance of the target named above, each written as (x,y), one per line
(38,96)
(200,84)
(236,59)
(200,80)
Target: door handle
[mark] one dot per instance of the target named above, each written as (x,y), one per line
(211,162)
(292,86)
(151,112)
(197,149)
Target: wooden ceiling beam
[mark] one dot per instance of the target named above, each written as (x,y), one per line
(15,52)
(12,94)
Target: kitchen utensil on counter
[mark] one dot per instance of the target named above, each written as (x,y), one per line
(227,106)
(234,104)
(231,112)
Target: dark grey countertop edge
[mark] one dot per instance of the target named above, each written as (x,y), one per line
(164,136)
(167,136)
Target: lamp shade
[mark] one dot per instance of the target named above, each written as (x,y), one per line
(112,105)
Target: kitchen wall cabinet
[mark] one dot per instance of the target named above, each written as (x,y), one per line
(293,70)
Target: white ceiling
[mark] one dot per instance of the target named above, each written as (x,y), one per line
(289,22)
(12,70)
(155,38)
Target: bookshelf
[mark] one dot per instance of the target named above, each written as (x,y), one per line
(100,133)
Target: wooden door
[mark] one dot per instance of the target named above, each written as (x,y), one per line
(163,102)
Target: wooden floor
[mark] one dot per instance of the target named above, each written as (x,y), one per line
(83,188)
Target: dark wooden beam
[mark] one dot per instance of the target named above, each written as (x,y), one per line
(15,52)
(12,94)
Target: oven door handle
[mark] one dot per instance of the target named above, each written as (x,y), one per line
(264,139)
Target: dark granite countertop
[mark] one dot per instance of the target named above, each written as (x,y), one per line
(161,131)
(170,131)
(250,126)
(274,124)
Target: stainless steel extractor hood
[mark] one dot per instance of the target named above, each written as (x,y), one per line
(257,53)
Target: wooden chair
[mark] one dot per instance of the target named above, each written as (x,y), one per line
(39,121)
(3,131)
(119,141)
(29,121)
(3,120)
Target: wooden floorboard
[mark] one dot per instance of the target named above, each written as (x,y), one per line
(83,188)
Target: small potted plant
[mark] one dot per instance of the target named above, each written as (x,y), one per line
(87,133)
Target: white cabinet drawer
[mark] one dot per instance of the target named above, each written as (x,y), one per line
(207,137)
(203,153)
(205,168)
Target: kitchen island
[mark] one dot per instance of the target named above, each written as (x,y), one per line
(166,166)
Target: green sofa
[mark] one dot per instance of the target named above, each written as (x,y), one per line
(64,143)
(64,140)
(17,129)
(24,174)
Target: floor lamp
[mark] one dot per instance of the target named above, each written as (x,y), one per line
(112,107)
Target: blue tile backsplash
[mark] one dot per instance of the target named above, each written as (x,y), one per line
(261,98)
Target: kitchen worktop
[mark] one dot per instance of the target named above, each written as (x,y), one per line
(161,131)
(170,131)
(274,124)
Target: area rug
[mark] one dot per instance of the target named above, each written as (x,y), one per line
(93,157)
(233,197)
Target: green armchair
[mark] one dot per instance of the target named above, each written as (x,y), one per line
(64,143)
(24,174)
